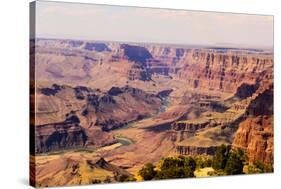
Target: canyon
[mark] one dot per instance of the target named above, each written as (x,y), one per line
(122,105)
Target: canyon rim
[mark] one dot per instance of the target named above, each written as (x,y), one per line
(127,94)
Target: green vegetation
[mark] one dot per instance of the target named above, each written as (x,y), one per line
(123,178)
(181,167)
(203,161)
(235,162)
(217,173)
(220,157)
(148,172)
(228,162)
(225,161)
(260,167)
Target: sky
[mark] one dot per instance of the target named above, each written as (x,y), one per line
(151,25)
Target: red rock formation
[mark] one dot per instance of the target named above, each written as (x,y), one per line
(187,126)
(255,135)
(68,134)
(196,150)
(224,71)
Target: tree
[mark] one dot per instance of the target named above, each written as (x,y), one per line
(148,172)
(235,162)
(252,169)
(123,178)
(189,162)
(260,167)
(202,162)
(220,157)
(180,167)
(207,163)
(199,162)
(175,172)
(171,167)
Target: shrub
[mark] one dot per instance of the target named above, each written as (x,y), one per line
(189,162)
(175,172)
(148,172)
(235,162)
(207,163)
(124,178)
(202,162)
(260,167)
(216,173)
(181,167)
(220,157)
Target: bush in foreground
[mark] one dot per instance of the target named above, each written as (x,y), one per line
(181,167)
(235,162)
(260,167)
(220,157)
(148,172)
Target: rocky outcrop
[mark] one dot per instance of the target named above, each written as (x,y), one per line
(255,134)
(103,164)
(61,135)
(196,150)
(69,134)
(223,71)
(139,56)
(246,90)
(119,106)
(138,72)
(81,92)
(189,126)
(76,170)
(263,104)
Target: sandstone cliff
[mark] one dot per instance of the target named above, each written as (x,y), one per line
(255,134)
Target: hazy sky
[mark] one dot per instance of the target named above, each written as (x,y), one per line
(115,23)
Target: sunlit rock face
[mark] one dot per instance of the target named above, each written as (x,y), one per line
(255,134)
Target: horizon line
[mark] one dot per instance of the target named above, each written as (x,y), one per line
(210,46)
